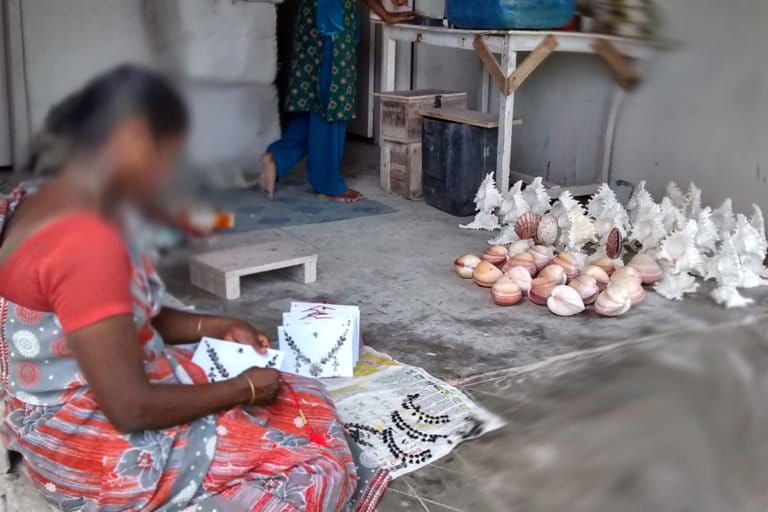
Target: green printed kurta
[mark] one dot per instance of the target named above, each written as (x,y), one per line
(304,89)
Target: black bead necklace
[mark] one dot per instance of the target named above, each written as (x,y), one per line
(217,366)
(361,433)
(316,369)
(415,458)
(410,404)
(413,433)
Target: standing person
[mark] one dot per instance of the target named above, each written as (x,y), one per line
(321,95)
(106,413)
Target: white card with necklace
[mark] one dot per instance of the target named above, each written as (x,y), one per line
(222,360)
(321,310)
(319,348)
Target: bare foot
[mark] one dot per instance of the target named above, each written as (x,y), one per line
(350,196)
(268,177)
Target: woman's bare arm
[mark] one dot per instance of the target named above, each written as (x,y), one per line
(388,17)
(179,327)
(110,358)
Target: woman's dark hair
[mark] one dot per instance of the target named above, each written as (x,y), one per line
(84,120)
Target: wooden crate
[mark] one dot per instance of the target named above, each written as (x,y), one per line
(400,112)
(401,168)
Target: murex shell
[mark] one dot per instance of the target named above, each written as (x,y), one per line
(466,265)
(527,225)
(521,276)
(541,289)
(486,274)
(650,271)
(524,260)
(569,264)
(496,254)
(614,243)
(547,231)
(506,292)
(565,301)
(587,288)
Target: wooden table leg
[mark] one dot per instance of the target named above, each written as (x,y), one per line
(506,119)
(610,134)
(388,71)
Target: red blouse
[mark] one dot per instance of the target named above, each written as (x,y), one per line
(76,266)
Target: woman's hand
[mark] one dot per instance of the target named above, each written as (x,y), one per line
(392,18)
(266,385)
(231,329)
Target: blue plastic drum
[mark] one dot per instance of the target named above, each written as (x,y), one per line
(510,14)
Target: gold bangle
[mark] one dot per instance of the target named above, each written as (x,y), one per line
(199,326)
(253,390)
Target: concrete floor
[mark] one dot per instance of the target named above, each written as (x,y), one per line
(561,382)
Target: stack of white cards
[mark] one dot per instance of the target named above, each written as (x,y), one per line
(222,360)
(320,340)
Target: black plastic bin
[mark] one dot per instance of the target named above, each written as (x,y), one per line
(458,151)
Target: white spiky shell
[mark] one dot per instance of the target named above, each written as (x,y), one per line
(607,212)
(648,228)
(484,220)
(707,235)
(506,236)
(680,251)
(727,268)
(566,205)
(693,201)
(674,286)
(679,200)
(537,197)
(640,198)
(730,297)
(672,217)
(488,196)
(601,200)
(757,221)
(636,193)
(513,204)
(750,246)
(580,232)
(724,218)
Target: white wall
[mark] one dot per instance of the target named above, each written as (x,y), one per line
(702,113)
(67,42)
(224,52)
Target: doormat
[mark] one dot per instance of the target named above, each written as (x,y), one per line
(294,204)
(400,419)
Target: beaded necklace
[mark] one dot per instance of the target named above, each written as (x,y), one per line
(316,368)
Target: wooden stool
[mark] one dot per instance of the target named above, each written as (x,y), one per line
(219,272)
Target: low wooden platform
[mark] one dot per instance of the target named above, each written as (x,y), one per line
(219,272)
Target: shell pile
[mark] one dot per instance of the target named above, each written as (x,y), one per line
(559,282)
(672,245)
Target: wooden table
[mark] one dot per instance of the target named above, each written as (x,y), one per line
(508,44)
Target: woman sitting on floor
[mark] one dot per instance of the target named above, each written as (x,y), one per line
(105,412)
